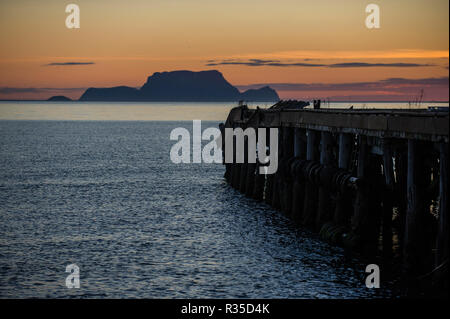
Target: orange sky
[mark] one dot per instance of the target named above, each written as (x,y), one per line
(129,40)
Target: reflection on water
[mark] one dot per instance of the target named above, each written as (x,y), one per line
(147,111)
(105,196)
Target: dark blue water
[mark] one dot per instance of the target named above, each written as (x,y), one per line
(105,196)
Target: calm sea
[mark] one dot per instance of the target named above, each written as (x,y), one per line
(138,111)
(105,196)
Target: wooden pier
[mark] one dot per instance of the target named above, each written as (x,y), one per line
(373,181)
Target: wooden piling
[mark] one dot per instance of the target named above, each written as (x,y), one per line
(311,195)
(227,174)
(400,187)
(287,149)
(268,189)
(299,143)
(388,172)
(375,188)
(286,181)
(268,179)
(276,180)
(250,179)
(236,167)
(236,175)
(443,234)
(413,250)
(298,188)
(346,142)
(244,168)
(243,177)
(275,192)
(342,212)
(258,188)
(324,210)
(360,217)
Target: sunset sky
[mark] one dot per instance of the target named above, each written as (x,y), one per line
(304,49)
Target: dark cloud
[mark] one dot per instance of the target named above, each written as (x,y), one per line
(16,90)
(277,63)
(368,65)
(264,61)
(68,63)
(392,84)
(258,62)
(426,81)
(391,89)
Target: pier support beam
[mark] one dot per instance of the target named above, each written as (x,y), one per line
(414,241)
(401,172)
(236,168)
(388,172)
(326,159)
(236,175)
(288,142)
(360,219)
(228,172)
(250,180)
(243,177)
(443,234)
(255,188)
(374,190)
(268,179)
(268,189)
(343,210)
(286,181)
(276,177)
(310,204)
(346,142)
(244,168)
(299,143)
(259,183)
(298,188)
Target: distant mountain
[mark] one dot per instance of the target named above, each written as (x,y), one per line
(189,86)
(59,98)
(182,86)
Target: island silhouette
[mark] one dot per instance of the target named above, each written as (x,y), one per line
(181,86)
(59,98)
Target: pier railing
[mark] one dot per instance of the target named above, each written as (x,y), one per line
(374,181)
